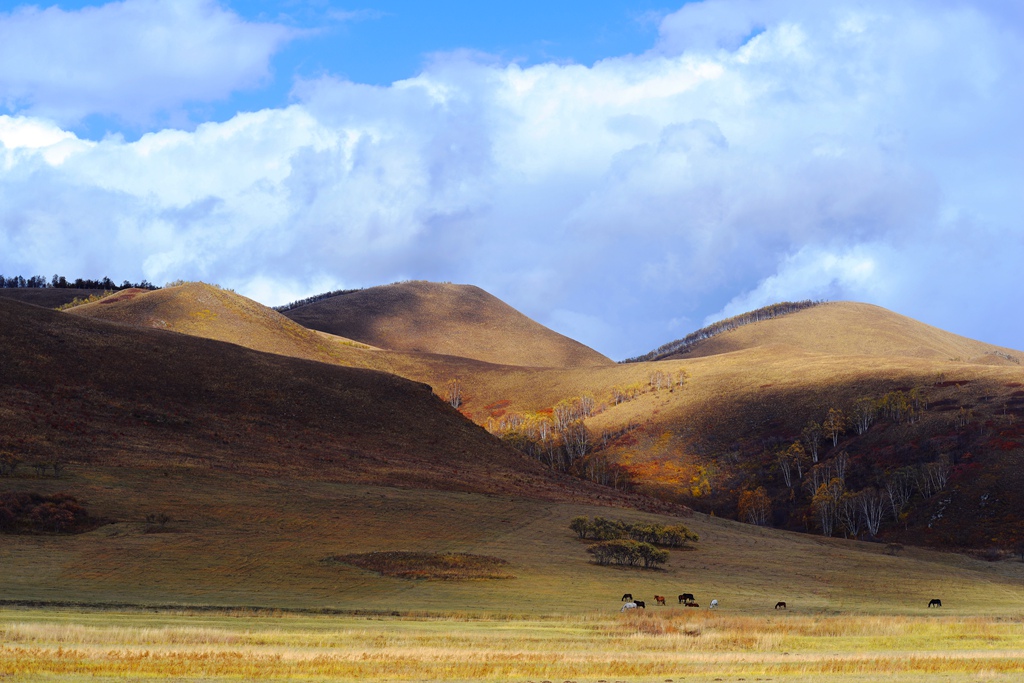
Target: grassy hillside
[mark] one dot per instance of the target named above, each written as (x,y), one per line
(47,297)
(262,541)
(854,329)
(97,394)
(446,319)
(749,394)
(203,310)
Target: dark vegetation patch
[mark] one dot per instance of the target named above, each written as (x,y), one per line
(35,513)
(437,566)
(61,282)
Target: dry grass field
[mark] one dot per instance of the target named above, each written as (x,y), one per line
(236,587)
(667,646)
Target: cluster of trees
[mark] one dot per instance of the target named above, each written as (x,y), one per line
(61,282)
(601,529)
(683,345)
(37,513)
(658,380)
(559,438)
(628,553)
(313,299)
(453,393)
(833,504)
(10,462)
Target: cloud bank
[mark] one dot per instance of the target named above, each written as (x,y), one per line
(130,60)
(759,151)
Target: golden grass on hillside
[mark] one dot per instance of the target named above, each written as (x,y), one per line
(631,647)
(447,319)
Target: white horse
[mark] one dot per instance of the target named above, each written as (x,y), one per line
(628,605)
(713,605)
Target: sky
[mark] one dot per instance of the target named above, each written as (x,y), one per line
(624,171)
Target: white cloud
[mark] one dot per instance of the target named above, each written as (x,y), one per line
(816,273)
(847,151)
(131,59)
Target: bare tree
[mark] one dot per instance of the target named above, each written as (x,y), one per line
(849,513)
(933,476)
(872,509)
(899,486)
(819,474)
(785,467)
(840,463)
(811,436)
(863,413)
(834,424)
(575,442)
(453,392)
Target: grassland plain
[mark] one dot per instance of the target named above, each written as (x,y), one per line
(671,645)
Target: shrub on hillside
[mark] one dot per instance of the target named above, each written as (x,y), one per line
(601,529)
(628,553)
(35,513)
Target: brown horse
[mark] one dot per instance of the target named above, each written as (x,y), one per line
(660,599)
(692,604)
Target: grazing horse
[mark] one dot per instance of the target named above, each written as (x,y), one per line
(641,604)
(935,602)
(713,605)
(627,597)
(628,605)
(660,599)
(780,605)
(685,598)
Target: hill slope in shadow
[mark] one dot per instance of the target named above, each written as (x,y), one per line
(446,319)
(92,393)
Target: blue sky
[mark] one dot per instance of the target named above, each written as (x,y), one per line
(379,43)
(624,172)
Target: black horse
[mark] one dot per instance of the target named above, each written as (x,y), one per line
(627,597)
(685,598)
(935,602)
(640,603)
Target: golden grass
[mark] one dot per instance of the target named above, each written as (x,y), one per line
(446,319)
(595,647)
(243,541)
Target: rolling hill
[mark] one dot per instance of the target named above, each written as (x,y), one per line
(445,319)
(98,394)
(748,394)
(207,311)
(267,464)
(848,328)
